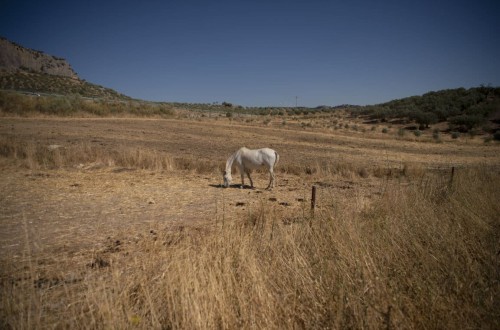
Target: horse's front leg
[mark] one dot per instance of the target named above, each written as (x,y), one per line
(242,180)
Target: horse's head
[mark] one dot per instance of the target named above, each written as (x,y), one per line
(227,179)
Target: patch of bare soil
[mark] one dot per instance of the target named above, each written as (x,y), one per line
(71,210)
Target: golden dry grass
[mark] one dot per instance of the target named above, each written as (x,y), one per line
(124,226)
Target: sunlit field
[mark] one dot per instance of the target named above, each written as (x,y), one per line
(123,223)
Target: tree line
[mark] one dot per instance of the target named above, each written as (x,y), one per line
(464,109)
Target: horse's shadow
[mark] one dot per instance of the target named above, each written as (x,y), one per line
(238,186)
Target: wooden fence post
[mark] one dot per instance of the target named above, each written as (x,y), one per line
(452,175)
(313,200)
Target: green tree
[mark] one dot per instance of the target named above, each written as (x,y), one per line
(424,119)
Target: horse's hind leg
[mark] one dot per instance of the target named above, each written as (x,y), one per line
(271,179)
(249,178)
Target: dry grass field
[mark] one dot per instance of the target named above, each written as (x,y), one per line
(122,223)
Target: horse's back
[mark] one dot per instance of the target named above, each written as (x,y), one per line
(252,158)
(268,151)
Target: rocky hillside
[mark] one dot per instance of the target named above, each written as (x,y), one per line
(14,57)
(34,72)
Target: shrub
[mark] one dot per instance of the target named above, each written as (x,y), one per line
(417,133)
(436,135)
(472,133)
(496,136)
(385,130)
(455,135)
(465,123)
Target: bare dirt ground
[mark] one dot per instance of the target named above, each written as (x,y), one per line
(86,207)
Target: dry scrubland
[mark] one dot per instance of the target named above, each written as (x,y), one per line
(121,223)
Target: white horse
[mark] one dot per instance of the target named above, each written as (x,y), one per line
(247,160)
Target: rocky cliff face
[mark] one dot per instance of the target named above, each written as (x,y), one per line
(17,58)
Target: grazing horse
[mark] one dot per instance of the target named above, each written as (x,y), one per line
(247,160)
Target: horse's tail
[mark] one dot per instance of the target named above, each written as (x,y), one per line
(276,159)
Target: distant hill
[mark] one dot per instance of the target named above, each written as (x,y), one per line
(464,109)
(32,71)
(14,57)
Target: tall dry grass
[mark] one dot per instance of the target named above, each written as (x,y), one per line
(33,155)
(420,256)
(36,155)
(423,255)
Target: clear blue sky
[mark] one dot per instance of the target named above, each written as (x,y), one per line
(265,53)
